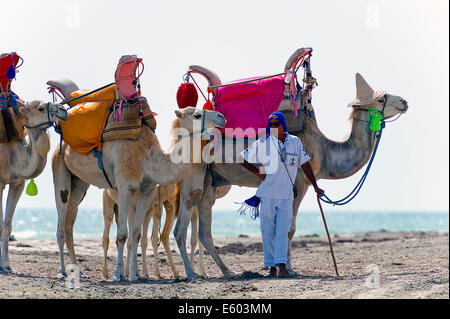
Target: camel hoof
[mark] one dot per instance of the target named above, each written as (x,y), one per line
(62,274)
(193,275)
(9,270)
(105,275)
(136,277)
(145,276)
(230,274)
(119,278)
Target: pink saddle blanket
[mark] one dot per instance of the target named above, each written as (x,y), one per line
(247,106)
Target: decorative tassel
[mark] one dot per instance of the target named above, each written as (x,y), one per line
(251,205)
(375,120)
(208,106)
(11,72)
(187,95)
(32,189)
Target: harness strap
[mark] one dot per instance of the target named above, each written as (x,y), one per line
(100,165)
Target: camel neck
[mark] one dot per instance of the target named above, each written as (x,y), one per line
(36,151)
(343,159)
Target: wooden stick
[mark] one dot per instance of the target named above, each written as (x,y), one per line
(328,235)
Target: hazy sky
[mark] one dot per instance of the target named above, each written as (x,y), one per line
(398,46)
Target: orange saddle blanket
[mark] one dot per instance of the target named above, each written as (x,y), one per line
(87,119)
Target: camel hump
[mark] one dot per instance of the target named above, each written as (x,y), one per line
(64,86)
(211,76)
(295,58)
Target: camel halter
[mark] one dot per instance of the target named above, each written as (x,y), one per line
(202,130)
(50,114)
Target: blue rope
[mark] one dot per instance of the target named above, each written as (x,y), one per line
(99,158)
(358,186)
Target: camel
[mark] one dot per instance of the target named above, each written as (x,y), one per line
(329,159)
(38,116)
(134,168)
(165,197)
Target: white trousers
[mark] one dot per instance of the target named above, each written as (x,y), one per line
(275,223)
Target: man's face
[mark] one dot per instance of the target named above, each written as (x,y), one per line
(276,128)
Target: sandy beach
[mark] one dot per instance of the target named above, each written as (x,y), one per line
(372,265)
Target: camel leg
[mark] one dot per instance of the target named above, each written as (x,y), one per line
(205,219)
(168,224)
(302,188)
(194,233)
(62,186)
(201,256)
(77,193)
(141,210)
(205,236)
(108,219)
(15,190)
(144,242)
(180,232)
(131,218)
(194,239)
(125,197)
(154,238)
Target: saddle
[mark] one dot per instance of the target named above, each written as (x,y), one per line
(115,112)
(247,103)
(11,129)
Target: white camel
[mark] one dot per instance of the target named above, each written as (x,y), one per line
(38,116)
(134,168)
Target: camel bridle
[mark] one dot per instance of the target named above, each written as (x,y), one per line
(51,112)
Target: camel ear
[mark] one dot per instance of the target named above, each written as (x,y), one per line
(24,110)
(179,114)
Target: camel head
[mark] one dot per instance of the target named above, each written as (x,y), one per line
(366,97)
(42,114)
(191,119)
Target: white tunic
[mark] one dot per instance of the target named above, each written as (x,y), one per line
(277,184)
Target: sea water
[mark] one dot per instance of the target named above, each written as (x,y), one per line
(40,223)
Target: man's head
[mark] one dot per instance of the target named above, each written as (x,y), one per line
(276,125)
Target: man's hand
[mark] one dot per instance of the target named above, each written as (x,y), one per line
(310,175)
(254,170)
(319,191)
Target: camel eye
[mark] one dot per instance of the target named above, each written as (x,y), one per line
(197,116)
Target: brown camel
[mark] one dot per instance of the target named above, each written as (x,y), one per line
(329,159)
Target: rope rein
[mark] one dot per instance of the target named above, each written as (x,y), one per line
(347,199)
